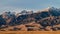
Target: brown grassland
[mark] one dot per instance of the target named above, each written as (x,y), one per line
(29,32)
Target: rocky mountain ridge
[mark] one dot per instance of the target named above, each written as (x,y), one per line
(45,20)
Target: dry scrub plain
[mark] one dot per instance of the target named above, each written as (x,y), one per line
(29,32)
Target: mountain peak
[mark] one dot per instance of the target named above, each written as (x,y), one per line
(46,9)
(49,8)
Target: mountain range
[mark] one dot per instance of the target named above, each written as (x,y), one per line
(42,20)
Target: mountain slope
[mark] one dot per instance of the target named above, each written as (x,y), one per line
(48,19)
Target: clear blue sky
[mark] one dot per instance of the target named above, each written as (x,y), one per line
(29,4)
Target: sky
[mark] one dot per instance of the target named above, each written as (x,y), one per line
(17,5)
